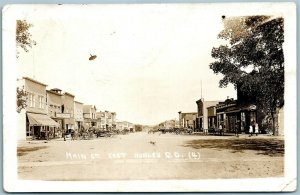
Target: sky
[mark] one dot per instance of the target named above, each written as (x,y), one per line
(151,59)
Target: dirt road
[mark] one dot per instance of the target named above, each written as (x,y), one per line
(148,156)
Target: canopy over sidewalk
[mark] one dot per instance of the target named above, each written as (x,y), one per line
(41,120)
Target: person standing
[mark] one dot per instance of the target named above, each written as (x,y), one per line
(236,129)
(250,130)
(256,129)
(220,128)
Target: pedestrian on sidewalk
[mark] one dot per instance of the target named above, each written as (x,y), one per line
(236,128)
(220,128)
(250,130)
(256,129)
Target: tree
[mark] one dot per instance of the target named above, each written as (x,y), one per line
(23,37)
(253,59)
(21,99)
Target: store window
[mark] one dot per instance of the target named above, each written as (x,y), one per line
(41,101)
(31,100)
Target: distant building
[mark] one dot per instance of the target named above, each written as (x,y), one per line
(78,115)
(202,115)
(124,125)
(106,120)
(101,120)
(33,121)
(89,116)
(187,119)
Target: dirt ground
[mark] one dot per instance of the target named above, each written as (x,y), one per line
(152,156)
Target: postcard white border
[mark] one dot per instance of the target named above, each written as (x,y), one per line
(287,183)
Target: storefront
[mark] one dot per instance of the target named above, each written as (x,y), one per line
(234,117)
(40,126)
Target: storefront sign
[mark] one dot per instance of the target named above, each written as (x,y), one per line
(63,115)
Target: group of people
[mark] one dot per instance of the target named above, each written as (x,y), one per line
(253,128)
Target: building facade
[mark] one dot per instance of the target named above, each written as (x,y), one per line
(202,113)
(33,121)
(54,103)
(106,120)
(124,125)
(233,116)
(187,119)
(78,115)
(89,116)
(67,111)
(212,117)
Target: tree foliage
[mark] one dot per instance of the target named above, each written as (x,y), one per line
(21,99)
(23,36)
(253,59)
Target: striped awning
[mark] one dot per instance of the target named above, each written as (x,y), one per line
(41,120)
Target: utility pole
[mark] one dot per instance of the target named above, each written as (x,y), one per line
(201,88)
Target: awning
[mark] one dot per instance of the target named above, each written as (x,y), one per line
(41,120)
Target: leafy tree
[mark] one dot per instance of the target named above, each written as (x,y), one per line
(21,99)
(23,37)
(253,60)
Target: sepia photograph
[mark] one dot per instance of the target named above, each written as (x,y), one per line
(149,97)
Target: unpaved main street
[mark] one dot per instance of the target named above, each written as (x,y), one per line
(151,156)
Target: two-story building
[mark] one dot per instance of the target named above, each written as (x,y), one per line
(33,121)
(106,120)
(54,103)
(212,117)
(89,116)
(202,115)
(101,120)
(78,115)
(67,111)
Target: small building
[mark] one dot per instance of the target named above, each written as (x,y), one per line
(124,125)
(202,115)
(89,116)
(187,119)
(33,121)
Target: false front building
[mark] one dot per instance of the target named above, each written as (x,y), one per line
(187,119)
(78,115)
(106,120)
(33,121)
(89,116)
(205,117)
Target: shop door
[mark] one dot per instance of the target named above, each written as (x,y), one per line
(231,123)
